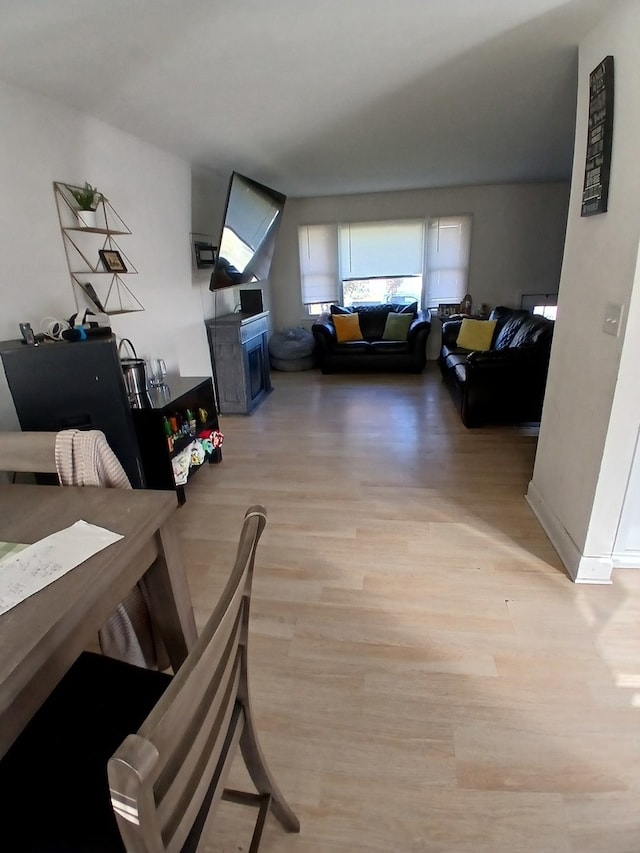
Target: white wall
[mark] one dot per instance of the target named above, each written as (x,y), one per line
(591,414)
(42,141)
(516,247)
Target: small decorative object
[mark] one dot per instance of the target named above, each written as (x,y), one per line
(87,198)
(203,415)
(466,304)
(112,260)
(191,421)
(198,453)
(448,309)
(180,465)
(210,440)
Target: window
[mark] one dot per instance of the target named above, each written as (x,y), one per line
(402,261)
(548,311)
(541,303)
(381,261)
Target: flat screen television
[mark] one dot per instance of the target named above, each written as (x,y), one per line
(249,228)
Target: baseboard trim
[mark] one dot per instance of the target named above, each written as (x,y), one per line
(626,561)
(581,569)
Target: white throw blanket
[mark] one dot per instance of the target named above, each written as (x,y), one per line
(84,458)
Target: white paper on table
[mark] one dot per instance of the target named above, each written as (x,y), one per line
(24,573)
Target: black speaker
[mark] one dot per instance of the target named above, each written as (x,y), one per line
(251,302)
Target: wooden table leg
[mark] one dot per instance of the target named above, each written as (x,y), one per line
(169,597)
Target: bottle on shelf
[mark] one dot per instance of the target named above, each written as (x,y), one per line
(191,422)
(168,433)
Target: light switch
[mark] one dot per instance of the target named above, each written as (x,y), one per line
(612,319)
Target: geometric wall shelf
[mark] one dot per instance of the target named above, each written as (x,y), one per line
(97,281)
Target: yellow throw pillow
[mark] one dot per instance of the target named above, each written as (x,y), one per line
(476,334)
(347,327)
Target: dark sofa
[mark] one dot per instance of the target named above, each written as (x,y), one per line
(507,382)
(372,352)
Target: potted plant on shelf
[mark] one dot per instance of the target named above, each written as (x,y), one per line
(87,198)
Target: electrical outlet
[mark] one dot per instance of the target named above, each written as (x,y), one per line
(612,319)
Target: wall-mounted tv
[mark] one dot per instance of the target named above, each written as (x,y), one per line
(249,228)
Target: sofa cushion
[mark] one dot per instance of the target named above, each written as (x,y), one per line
(476,334)
(352,347)
(372,325)
(396,327)
(374,317)
(386,347)
(507,330)
(347,327)
(536,329)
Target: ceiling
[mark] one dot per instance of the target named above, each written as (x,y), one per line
(322,97)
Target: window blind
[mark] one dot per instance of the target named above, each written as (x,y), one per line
(318,248)
(381,249)
(447,258)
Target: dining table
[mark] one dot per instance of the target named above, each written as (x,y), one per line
(43,635)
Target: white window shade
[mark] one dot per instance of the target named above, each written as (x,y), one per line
(447,264)
(318,246)
(381,249)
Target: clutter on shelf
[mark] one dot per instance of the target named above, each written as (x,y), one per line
(195,453)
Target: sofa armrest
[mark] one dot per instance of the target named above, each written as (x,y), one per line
(508,357)
(420,322)
(324,332)
(450,331)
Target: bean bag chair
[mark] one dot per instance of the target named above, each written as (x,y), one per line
(292,349)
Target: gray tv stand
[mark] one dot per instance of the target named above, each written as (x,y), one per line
(240,360)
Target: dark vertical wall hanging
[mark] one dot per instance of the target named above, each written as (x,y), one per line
(599,139)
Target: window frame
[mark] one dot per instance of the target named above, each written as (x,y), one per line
(427,300)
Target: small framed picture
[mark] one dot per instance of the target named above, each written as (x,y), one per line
(448,309)
(112,260)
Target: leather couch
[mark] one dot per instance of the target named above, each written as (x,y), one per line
(372,352)
(505,383)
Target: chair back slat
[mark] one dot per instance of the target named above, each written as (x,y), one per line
(188,731)
(28,452)
(175,822)
(180,776)
(170,720)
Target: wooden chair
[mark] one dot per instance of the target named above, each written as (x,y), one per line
(28,452)
(177,734)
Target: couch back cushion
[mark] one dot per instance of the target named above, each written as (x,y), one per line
(374,317)
(508,322)
(535,331)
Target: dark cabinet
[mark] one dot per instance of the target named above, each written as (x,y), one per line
(60,385)
(79,385)
(181,394)
(240,360)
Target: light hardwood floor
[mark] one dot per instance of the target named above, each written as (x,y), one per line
(425,676)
